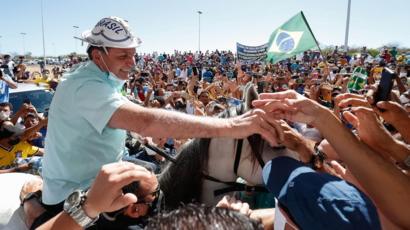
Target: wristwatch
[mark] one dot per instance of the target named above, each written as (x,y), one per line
(317,159)
(73,206)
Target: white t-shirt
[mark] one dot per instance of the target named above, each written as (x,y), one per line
(183,75)
(190,108)
(331,76)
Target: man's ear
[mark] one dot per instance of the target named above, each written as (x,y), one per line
(96,55)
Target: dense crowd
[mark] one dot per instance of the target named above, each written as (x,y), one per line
(337,119)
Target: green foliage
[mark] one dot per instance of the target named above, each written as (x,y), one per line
(373,52)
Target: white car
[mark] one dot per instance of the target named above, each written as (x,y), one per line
(39,96)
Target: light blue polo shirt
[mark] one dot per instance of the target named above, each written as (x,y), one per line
(78,140)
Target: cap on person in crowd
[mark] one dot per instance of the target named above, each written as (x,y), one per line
(111,32)
(317,200)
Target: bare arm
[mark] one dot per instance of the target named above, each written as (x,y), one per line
(111,179)
(162,123)
(9,82)
(396,115)
(32,130)
(61,221)
(399,84)
(378,178)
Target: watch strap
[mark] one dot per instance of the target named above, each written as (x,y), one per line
(78,214)
(81,218)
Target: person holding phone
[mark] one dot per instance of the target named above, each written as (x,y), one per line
(379,179)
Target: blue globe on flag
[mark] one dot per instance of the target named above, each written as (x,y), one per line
(285,42)
(291,38)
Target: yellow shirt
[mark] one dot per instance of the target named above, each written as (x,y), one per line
(377,73)
(321,65)
(40,80)
(23,149)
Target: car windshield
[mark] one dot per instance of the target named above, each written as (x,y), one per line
(41,99)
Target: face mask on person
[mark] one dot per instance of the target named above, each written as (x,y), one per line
(16,129)
(115,81)
(4,115)
(112,78)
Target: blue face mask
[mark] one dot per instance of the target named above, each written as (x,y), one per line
(115,81)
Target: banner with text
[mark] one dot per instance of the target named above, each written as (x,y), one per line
(250,54)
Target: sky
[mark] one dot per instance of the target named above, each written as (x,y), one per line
(168,25)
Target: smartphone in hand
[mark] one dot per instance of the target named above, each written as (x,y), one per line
(385,85)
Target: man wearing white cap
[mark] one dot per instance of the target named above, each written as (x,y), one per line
(88,118)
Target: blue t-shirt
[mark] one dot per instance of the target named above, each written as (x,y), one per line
(78,140)
(39,142)
(208,76)
(177,72)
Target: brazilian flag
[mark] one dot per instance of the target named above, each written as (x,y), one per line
(291,38)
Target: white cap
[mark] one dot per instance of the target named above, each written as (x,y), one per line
(111,32)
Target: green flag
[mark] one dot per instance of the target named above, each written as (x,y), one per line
(358,80)
(292,38)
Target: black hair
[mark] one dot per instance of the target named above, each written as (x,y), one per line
(199,216)
(180,105)
(91,48)
(4,104)
(32,115)
(161,100)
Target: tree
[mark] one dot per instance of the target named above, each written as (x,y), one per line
(373,52)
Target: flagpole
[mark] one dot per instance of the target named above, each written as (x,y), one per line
(313,35)
(347,26)
(317,43)
(42,29)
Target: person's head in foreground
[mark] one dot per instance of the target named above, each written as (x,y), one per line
(311,200)
(200,217)
(149,199)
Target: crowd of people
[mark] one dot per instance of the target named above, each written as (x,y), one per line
(348,124)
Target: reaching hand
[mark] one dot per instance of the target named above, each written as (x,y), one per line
(296,142)
(257,121)
(236,205)
(291,106)
(105,195)
(396,115)
(392,112)
(371,131)
(349,99)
